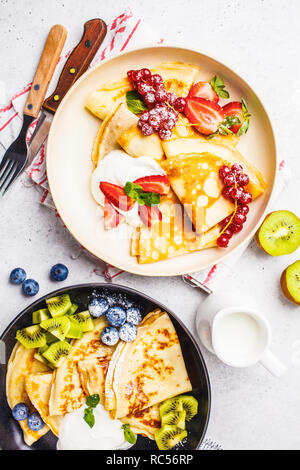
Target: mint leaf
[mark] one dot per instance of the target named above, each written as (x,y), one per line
(143,197)
(89,417)
(134,102)
(128,434)
(93,400)
(218,86)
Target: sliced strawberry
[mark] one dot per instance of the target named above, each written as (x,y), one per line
(116,196)
(204,114)
(154,184)
(235,109)
(149,215)
(203,90)
(112,218)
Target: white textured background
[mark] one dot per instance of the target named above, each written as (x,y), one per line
(261,39)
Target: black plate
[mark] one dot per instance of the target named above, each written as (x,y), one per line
(10,433)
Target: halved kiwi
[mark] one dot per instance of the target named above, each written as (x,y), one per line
(40,315)
(190,406)
(279,233)
(31,337)
(174,418)
(57,352)
(59,305)
(58,327)
(84,320)
(72,309)
(290,282)
(168,436)
(172,404)
(75,331)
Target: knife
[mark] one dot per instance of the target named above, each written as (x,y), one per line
(15,157)
(78,62)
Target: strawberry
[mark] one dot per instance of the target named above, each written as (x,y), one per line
(204,114)
(116,196)
(112,218)
(154,184)
(149,215)
(203,90)
(240,110)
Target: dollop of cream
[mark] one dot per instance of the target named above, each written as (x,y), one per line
(117,168)
(76,434)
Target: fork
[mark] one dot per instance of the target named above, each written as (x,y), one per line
(15,157)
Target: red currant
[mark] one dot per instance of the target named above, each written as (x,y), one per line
(144,116)
(149,98)
(242,179)
(229,179)
(171,99)
(147,129)
(224,171)
(236,193)
(228,233)
(145,73)
(243,209)
(143,88)
(180,104)
(222,241)
(168,124)
(156,80)
(155,121)
(225,221)
(236,169)
(227,192)
(239,218)
(235,228)
(161,94)
(136,75)
(246,197)
(130,75)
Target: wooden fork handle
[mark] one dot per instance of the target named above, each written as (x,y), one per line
(78,62)
(48,61)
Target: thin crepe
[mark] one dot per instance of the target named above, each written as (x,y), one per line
(147,371)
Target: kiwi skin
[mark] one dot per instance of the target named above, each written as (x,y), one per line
(284,287)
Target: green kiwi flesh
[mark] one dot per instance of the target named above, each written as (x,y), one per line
(40,315)
(279,234)
(170,405)
(75,331)
(84,320)
(72,309)
(59,305)
(58,327)
(168,436)
(31,337)
(174,418)
(190,406)
(57,353)
(290,282)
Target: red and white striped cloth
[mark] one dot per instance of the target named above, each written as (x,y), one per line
(124,29)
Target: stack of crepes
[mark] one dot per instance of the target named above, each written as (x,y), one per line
(131,378)
(190,161)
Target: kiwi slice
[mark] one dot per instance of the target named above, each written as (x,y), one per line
(59,305)
(72,309)
(84,320)
(58,327)
(39,357)
(31,337)
(170,405)
(168,436)
(279,233)
(174,418)
(290,282)
(190,406)
(75,331)
(50,338)
(57,352)
(40,315)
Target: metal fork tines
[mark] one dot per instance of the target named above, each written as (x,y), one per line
(15,158)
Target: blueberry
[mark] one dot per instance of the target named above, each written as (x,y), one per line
(17,276)
(98,307)
(110,336)
(30,287)
(59,272)
(128,332)
(20,411)
(116,316)
(35,422)
(133,315)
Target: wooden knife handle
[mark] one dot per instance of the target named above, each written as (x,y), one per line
(48,61)
(78,62)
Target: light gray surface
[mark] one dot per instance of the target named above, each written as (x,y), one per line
(251,409)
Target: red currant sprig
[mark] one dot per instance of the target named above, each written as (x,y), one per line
(164,107)
(234,189)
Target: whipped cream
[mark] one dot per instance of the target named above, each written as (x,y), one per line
(106,434)
(117,168)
